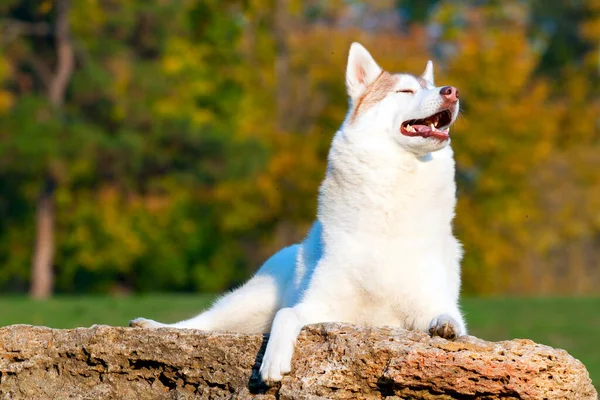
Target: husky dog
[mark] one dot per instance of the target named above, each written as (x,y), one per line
(381,251)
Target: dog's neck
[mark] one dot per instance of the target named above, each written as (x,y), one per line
(378,181)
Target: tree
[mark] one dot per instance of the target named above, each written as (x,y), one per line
(54,82)
(522,191)
(42,279)
(189,138)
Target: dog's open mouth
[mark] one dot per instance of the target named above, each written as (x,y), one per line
(434,126)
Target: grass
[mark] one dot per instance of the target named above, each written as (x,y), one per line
(572,324)
(71,312)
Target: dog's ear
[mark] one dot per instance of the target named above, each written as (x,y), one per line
(362,70)
(428,73)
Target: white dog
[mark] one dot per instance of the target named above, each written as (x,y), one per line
(381,251)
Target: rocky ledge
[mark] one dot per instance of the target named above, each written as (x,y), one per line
(331,361)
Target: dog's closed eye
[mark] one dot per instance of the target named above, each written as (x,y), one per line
(405,91)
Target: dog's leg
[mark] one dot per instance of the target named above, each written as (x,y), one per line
(446,327)
(146,323)
(248,309)
(287,325)
(280,348)
(447,323)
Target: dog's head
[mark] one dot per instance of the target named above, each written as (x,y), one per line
(410,110)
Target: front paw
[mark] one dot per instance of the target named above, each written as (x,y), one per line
(444,326)
(145,323)
(276,362)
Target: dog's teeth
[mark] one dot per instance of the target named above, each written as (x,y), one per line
(431,126)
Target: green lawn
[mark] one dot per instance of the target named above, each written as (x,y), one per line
(569,323)
(71,312)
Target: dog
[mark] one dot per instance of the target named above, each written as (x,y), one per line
(381,251)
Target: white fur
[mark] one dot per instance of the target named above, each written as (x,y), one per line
(381,251)
(428,73)
(362,70)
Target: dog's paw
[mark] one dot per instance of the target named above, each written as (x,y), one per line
(272,369)
(444,326)
(277,362)
(145,323)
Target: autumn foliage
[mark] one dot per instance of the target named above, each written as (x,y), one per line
(193,135)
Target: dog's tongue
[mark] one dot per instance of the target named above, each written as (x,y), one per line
(422,128)
(426,131)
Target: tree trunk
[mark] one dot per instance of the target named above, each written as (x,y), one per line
(42,275)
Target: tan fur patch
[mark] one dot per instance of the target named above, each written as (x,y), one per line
(382,86)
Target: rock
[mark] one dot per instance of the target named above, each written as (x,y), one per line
(331,361)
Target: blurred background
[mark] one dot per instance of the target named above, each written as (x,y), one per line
(172,146)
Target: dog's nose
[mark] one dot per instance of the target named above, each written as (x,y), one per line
(450,93)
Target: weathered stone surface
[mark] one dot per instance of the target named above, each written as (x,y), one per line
(331,361)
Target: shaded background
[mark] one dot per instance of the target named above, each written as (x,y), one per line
(172,146)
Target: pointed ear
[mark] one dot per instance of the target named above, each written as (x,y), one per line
(362,70)
(428,73)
